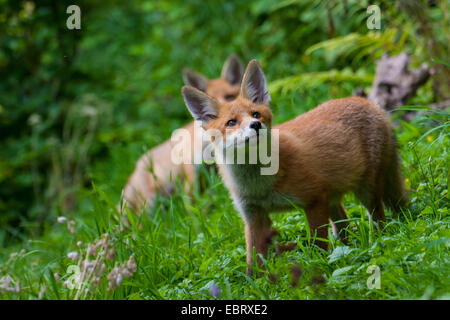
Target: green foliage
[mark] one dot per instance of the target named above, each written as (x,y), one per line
(182,250)
(358,46)
(78,107)
(307,81)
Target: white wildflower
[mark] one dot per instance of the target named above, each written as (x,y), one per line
(73,255)
(61,219)
(71,226)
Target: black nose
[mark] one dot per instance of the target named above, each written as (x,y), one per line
(255,125)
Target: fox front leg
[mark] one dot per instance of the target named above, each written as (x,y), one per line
(258,234)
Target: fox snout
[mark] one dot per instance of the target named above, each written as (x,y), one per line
(256,125)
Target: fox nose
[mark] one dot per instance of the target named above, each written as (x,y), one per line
(255,125)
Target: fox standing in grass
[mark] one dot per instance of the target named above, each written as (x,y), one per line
(344,145)
(155,172)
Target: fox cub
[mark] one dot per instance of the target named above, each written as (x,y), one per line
(343,145)
(155,172)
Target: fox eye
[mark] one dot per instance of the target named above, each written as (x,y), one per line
(231,123)
(256,115)
(229,97)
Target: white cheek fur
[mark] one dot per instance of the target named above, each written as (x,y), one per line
(238,137)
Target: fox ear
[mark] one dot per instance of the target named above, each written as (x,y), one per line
(254,85)
(194,79)
(202,107)
(232,69)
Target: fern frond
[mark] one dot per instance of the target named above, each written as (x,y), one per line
(362,45)
(314,79)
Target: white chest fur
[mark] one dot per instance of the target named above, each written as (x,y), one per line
(252,191)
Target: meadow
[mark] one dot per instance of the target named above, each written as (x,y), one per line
(73,128)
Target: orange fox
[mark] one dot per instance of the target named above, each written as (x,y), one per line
(343,145)
(155,172)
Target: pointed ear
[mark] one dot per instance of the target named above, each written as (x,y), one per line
(232,70)
(254,85)
(194,79)
(202,107)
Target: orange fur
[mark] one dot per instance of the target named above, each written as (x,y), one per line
(343,145)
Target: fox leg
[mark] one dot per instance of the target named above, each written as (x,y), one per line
(317,216)
(376,209)
(374,205)
(189,179)
(257,235)
(337,213)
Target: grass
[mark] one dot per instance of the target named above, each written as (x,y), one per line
(184,248)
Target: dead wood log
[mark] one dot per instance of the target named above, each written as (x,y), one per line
(394,83)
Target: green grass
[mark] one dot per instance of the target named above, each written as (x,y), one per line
(182,248)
